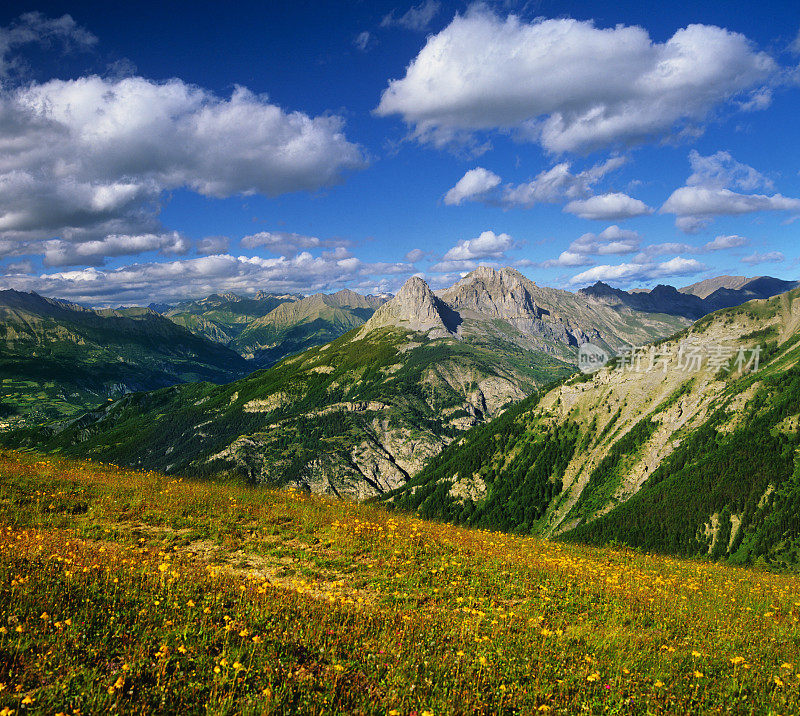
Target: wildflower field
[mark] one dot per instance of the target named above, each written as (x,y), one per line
(131,592)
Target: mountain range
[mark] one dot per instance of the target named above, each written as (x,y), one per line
(268,327)
(59,359)
(692,459)
(693,301)
(361,415)
(463,404)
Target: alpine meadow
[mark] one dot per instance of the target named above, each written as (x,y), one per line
(415,360)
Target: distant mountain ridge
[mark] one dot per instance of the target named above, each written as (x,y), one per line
(693,301)
(222,317)
(297,325)
(57,357)
(269,327)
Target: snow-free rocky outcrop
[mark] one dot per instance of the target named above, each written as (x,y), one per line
(508,306)
(416,308)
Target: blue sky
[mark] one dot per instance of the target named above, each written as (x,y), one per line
(157,151)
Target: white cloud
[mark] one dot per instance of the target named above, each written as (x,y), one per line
(468,254)
(558,183)
(770,257)
(721,170)
(35,28)
(732,241)
(639,271)
(18,267)
(474,184)
(668,247)
(611,241)
(568,258)
(458,269)
(415,255)
(487,245)
(691,224)
(699,202)
(282,242)
(548,187)
(417,17)
(86,158)
(568,84)
(795,46)
(709,192)
(175,280)
(613,206)
(212,245)
(94,253)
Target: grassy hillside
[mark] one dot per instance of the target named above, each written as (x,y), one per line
(58,360)
(687,462)
(356,417)
(222,317)
(139,593)
(312,321)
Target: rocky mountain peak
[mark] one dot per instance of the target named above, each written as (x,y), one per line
(504,294)
(417,308)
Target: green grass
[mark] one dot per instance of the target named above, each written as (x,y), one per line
(139,593)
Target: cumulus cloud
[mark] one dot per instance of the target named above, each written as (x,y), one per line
(142,283)
(415,255)
(468,254)
(639,271)
(611,241)
(559,183)
(548,187)
(732,241)
(474,184)
(668,247)
(288,243)
(709,192)
(568,84)
(700,202)
(417,18)
(94,253)
(212,245)
(87,158)
(487,245)
(613,206)
(568,258)
(18,267)
(721,170)
(770,257)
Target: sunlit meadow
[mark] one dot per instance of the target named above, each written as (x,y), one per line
(134,592)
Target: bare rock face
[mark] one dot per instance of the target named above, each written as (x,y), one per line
(495,294)
(417,308)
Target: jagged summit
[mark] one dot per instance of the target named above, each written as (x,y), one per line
(504,303)
(498,294)
(417,308)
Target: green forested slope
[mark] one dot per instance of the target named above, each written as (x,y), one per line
(57,359)
(356,417)
(697,463)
